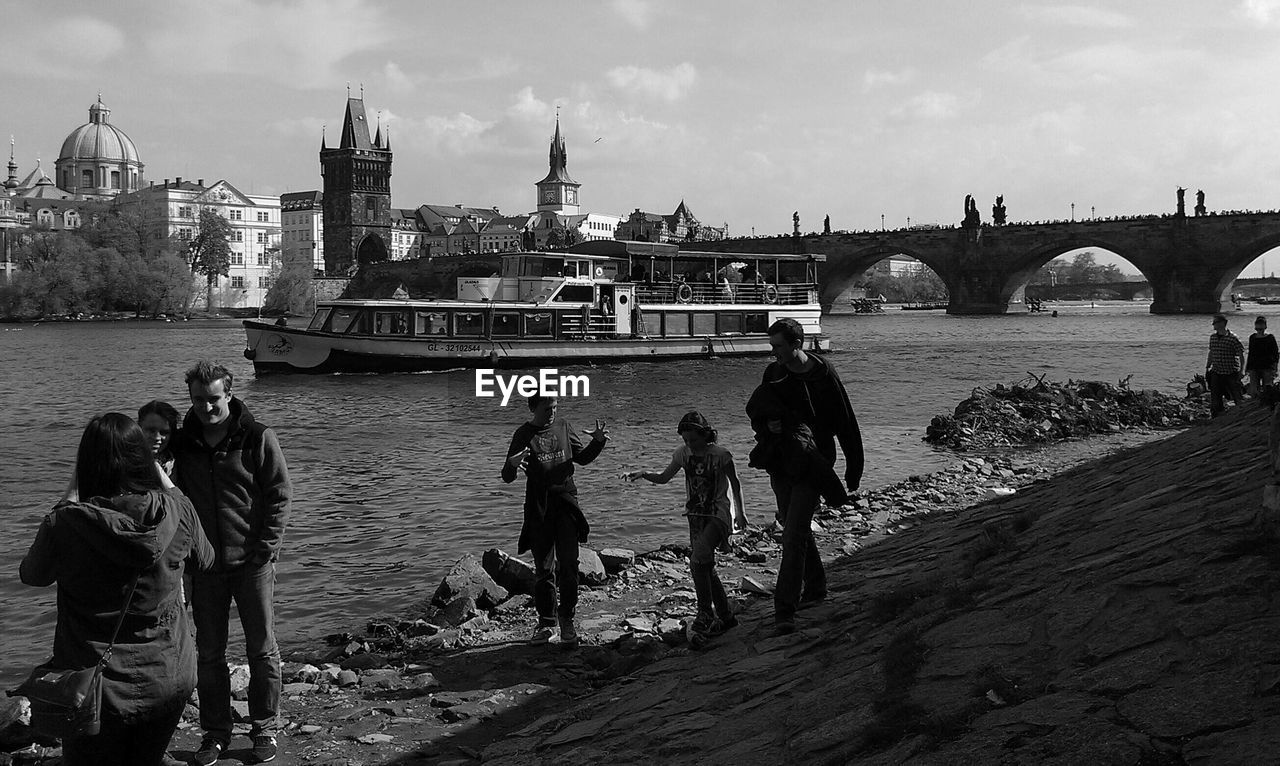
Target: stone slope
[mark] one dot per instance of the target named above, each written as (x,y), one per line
(1123,612)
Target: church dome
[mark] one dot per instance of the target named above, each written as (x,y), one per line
(99,140)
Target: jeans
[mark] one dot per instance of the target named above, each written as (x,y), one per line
(801,570)
(142,743)
(252,588)
(555,562)
(706,534)
(1221,383)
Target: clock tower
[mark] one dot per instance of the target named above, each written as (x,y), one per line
(357,194)
(558,192)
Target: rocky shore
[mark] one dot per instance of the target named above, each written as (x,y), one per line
(1098,600)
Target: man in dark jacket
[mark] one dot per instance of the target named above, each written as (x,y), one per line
(809,387)
(232,469)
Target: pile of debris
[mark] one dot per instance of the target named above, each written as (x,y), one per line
(1036,411)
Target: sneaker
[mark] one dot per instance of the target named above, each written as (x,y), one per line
(568,633)
(264,748)
(209,753)
(542,634)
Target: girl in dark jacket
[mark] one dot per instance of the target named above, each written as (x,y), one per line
(122,518)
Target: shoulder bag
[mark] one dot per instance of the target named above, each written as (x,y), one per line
(68,703)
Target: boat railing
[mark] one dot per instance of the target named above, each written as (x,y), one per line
(721,293)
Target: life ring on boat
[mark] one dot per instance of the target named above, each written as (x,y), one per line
(250,353)
(599,271)
(770,293)
(684,293)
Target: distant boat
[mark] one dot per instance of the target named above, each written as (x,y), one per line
(928,306)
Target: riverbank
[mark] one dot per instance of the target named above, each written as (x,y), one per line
(412,694)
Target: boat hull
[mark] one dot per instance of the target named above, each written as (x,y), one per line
(275,349)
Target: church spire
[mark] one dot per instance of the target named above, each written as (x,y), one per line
(12,181)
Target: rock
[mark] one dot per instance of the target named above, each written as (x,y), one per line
(363,661)
(297,688)
(239,679)
(422,681)
(751,585)
(297,672)
(669,626)
(995,492)
(374,739)
(468,579)
(15,723)
(348,678)
(384,678)
(458,611)
(310,728)
(617,559)
(638,624)
(512,574)
(590,568)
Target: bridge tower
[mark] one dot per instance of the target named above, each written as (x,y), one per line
(357,194)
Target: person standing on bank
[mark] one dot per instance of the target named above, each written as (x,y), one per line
(1226,360)
(1264,355)
(120,519)
(232,468)
(807,385)
(547,447)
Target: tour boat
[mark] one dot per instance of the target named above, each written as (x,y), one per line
(598,302)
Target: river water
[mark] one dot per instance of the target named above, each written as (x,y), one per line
(396,476)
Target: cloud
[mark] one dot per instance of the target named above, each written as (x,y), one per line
(241,37)
(94,41)
(397,80)
(930,105)
(669,85)
(456,134)
(1077,16)
(1260,12)
(875,78)
(637,13)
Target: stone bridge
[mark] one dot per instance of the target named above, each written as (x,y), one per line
(1189,261)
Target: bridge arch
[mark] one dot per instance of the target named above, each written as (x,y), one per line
(1248,254)
(1026,266)
(839,274)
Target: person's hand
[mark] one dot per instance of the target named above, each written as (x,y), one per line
(852,480)
(517,460)
(633,475)
(599,433)
(739,522)
(775,426)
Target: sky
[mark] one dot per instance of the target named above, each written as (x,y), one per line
(745,110)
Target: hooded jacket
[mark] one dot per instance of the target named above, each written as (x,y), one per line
(554,448)
(240,488)
(92,550)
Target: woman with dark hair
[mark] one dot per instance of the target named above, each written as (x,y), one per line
(120,520)
(159,421)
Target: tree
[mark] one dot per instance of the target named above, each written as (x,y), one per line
(555,237)
(572,237)
(209,251)
(291,291)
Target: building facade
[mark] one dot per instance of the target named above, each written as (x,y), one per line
(172,210)
(680,226)
(357,195)
(302,230)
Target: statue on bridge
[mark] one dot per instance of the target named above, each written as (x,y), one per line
(826,225)
(972,219)
(997,211)
(1200,208)
(1182,202)
(795,224)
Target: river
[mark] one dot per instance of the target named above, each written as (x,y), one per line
(396,476)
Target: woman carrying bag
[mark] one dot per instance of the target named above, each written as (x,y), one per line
(123,531)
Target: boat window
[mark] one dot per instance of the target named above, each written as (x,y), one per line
(542,267)
(757,323)
(676,323)
(730,323)
(506,323)
(390,323)
(537,324)
(432,323)
(704,323)
(575,293)
(650,323)
(343,319)
(791,273)
(571,269)
(318,320)
(468,323)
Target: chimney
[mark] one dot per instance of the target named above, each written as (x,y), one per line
(166,182)
(200,182)
(178,182)
(151,184)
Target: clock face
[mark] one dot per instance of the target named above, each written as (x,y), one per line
(549,195)
(572,195)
